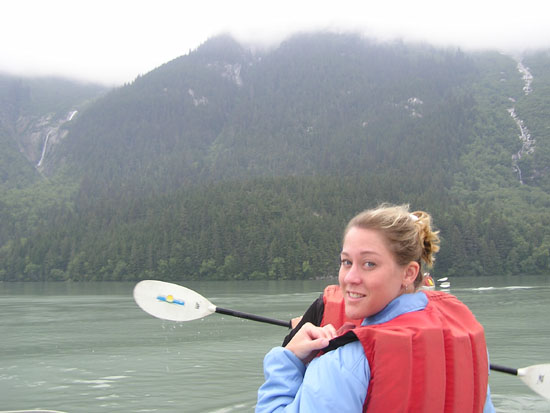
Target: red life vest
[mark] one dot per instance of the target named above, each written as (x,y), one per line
(335,311)
(433,360)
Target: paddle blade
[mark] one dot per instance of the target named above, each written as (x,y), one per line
(171,301)
(537,377)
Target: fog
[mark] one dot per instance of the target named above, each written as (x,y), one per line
(112,42)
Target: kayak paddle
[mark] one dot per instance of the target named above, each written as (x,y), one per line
(533,376)
(176,303)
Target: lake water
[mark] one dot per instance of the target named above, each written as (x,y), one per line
(87,347)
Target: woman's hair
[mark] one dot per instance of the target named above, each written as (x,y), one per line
(410,235)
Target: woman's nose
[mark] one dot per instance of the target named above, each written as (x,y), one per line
(352,275)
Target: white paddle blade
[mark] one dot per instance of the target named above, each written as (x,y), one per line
(171,301)
(537,377)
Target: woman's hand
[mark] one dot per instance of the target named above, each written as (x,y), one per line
(309,340)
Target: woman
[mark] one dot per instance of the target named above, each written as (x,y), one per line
(409,351)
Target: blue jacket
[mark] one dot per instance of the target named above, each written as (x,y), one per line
(337,381)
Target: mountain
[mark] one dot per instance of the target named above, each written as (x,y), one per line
(231,162)
(225,112)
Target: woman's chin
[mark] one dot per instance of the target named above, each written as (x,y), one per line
(354,314)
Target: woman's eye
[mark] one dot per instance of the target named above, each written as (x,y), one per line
(369,264)
(345,262)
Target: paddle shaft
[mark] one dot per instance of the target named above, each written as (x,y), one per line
(504,369)
(253,317)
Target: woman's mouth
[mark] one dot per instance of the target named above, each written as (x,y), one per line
(354,295)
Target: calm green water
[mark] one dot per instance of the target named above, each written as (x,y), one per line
(80,347)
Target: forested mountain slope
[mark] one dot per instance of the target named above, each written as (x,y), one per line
(223,112)
(238,163)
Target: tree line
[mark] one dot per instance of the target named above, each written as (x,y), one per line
(268,228)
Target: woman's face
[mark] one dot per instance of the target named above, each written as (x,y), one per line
(369,274)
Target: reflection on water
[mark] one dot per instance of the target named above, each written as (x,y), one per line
(88,348)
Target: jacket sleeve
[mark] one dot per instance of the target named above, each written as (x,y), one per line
(488,408)
(334,382)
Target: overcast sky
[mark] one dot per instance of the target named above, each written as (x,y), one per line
(113,41)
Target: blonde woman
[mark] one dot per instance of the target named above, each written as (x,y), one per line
(406,350)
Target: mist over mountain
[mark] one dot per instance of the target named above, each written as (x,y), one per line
(230,162)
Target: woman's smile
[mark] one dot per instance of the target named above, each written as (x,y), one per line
(353,295)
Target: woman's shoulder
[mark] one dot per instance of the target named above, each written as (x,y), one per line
(348,359)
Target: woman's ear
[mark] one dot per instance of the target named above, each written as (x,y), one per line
(411,272)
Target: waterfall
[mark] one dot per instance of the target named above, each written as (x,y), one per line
(71,115)
(527,144)
(527,77)
(44,148)
(53,133)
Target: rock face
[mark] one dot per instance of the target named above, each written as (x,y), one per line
(34,113)
(37,136)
